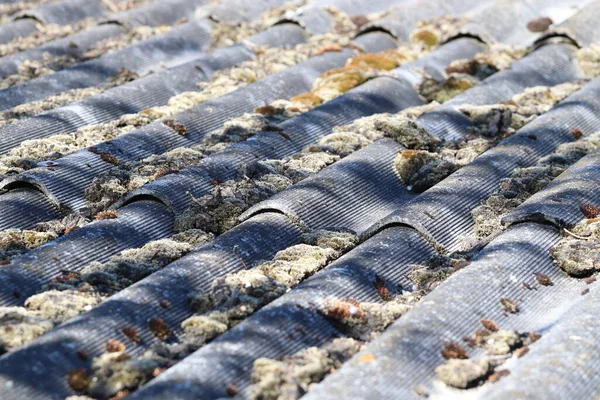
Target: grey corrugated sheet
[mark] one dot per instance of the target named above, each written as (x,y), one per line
(56,12)
(443,212)
(149,91)
(175,47)
(292,323)
(56,352)
(199,121)
(378,95)
(84,165)
(560,203)
(105,238)
(582,27)
(406,353)
(564,363)
(351,195)
(83,40)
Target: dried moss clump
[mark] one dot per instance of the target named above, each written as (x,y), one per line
(513,191)
(364,320)
(523,183)
(462,374)
(452,86)
(44,33)
(291,377)
(235,296)
(434,31)
(14,242)
(578,253)
(130,266)
(26,110)
(496,57)
(218,212)
(132,36)
(588,59)
(116,372)
(60,306)
(429,275)
(420,170)
(19,326)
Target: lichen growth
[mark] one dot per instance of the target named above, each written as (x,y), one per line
(435,31)
(443,91)
(235,296)
(522,184)
(578,252)
(427,276)
(588,59)
(116,372)
(36,107)
(462,374)
(71,293)
(130,266)
(43,33)
(14,242)
(365,320)
(20,325)
(291,377)
(420,170)
(496,57)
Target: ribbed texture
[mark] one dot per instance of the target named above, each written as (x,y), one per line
(209,116)
(408,352)
(435,62)
(175,47)
(316,21)
(14,29)
(66,11)
(22,208)
(376,96)
(232,12)
(581,27)
(156,13)
(444,211)
(72,252)
(64,180)
(561,201)
(352,194)
(292,322)
(56,352)
(506,22)
(564,363)
(547,66)
(84,40)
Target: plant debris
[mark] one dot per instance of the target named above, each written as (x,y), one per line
(510,306)
(579,255)
(453,350)
(463,374)
(522,184)
(435,270)
(365,320)
(540,24)
(237,295)
(292,377)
